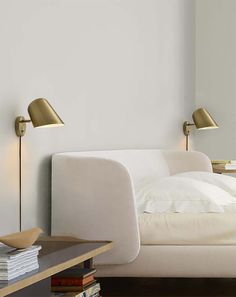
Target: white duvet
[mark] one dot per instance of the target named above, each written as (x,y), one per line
(188,208)
(184,228)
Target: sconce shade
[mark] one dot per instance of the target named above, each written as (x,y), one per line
(43,115)
(203,120)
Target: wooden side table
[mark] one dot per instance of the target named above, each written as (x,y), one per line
(57,254)
(221,169)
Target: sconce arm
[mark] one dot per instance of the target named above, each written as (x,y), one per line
(25,121)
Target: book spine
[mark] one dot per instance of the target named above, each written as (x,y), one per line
(66,282)
(82,294)
(95,295)
(80,291)
(93,290)
(78,273)
(66,289)
(71,281)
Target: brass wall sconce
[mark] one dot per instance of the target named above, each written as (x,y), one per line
(41,114)
(202,120)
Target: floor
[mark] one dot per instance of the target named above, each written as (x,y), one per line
(171,287)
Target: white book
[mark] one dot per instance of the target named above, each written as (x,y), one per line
(18,262)
(230,166)
(22,258)
(8,253)
(18,272)
(15,268)
(24,266)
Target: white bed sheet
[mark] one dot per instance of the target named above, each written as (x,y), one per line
(188,229)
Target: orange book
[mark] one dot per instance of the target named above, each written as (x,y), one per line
(71,281)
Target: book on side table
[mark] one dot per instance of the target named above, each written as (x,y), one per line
(78,281)
(16,262)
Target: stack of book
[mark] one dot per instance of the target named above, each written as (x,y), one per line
(227,164)
(16,262)
(76,282)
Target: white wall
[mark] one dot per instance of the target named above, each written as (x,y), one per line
(216,75)
(119,73)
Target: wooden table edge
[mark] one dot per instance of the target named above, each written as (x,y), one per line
(69,239)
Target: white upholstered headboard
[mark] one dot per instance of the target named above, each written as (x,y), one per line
(93,196)
(141,163)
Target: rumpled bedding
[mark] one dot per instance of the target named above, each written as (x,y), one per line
(189,229)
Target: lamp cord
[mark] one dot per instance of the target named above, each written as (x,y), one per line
(20,183)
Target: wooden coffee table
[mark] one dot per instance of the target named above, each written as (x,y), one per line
(57,254)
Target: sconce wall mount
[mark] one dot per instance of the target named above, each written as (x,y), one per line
(187,128)
(20,126)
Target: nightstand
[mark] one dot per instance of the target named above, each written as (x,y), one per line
(57,254)
(220,168)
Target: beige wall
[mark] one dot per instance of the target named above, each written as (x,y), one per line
(216,75)
(119,73)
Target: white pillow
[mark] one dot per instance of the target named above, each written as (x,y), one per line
(225,182)
(179,194)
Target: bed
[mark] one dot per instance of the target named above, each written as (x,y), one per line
(94,197)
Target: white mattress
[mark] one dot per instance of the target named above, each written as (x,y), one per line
(188,229)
